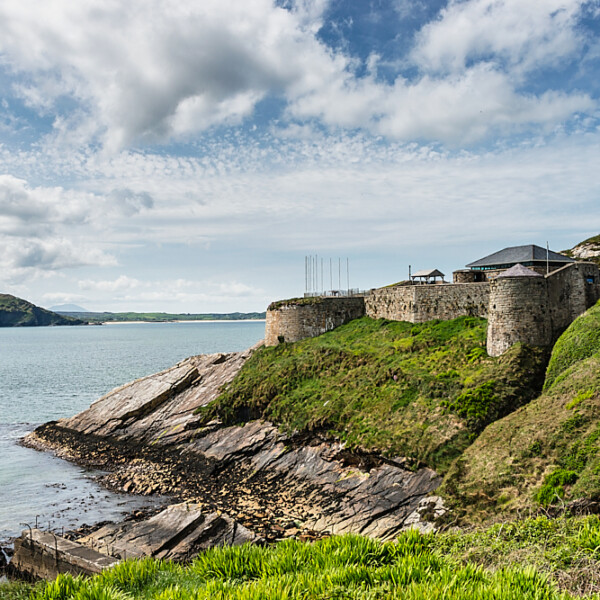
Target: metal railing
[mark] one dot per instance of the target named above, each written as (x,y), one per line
(336,293)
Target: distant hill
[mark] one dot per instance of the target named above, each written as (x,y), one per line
(62,308)
(161,317)
(16,312)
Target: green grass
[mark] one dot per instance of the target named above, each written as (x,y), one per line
(547,452)
(18,590)
(581,340)
(422,391)
(516,561)
(566,549)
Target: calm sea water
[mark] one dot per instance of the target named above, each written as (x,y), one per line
(51,372)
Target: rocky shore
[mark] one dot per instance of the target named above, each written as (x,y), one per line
(273,485)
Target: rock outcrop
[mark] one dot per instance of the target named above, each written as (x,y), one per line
(245,482)
(159,409)
(177,533)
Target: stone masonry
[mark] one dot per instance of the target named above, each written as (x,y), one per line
(536,310)
(294,320)
(420,303)
(531,310)
(518,313)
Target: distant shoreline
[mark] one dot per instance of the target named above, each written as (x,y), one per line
(184,321)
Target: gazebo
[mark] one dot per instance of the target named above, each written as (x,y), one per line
(426,276)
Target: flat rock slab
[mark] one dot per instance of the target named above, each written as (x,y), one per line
(43,555)
(160,408)
(177,533)
(241,470)
(375,502)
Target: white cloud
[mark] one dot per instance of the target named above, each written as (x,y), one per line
(125,291)
(24,259)
(46,229)
(148,71)
(526,35)
(122,283)
(461,108)
(153,69)
(52,298)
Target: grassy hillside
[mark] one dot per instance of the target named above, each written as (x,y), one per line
(527,560)
(547,452)
(15,312)
(422,391)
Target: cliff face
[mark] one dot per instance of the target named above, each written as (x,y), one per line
(587,250)
(149,435)
(16,312)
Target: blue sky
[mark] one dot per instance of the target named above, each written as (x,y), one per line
(185,156)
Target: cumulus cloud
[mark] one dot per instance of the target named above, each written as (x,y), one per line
(51,254)
(116,285)
(152,69)
(52,228)
(130,202)
(148,71)
(520,35)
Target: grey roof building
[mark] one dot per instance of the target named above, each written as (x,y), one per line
(528,256)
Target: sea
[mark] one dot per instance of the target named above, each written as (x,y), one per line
(47,373)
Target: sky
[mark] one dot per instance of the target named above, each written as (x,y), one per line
(185,156)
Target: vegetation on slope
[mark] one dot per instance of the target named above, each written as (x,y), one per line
(16,312)
(422,391)
(496,563)
(547,452)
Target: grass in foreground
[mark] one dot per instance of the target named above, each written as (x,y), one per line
(418,390)
(17,590)
(416,567)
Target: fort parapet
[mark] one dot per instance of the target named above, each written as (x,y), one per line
(420,303)
(521,306)
(535,310)
(300,318)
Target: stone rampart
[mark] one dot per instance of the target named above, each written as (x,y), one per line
(570,294)
(420,303)
(295,320)
(536,310)
(532,310)
(518,313)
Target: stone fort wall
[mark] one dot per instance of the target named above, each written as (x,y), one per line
(532,310)
(518,313)
(295,320)
(420,303)
(536,310)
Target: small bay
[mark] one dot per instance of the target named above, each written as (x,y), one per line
(47,373)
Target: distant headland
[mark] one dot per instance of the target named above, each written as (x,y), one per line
(16,312)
